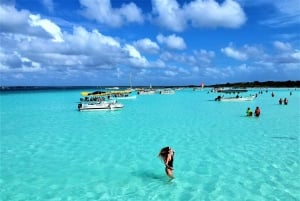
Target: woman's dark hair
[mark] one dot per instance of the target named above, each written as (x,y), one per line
(164,151)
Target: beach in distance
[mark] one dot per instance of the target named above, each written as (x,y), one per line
(51,151)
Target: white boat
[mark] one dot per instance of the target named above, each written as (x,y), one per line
(115,105)
(143,91)
(125,97)
(167,91)
(235,99)
(92,106)
(146,92)
(98,106)
(229,90)
(100,100)
(114,95)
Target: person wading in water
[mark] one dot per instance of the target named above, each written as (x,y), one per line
(167,156)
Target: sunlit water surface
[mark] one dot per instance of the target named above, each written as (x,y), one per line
(50,151)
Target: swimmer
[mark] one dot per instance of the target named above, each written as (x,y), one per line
(167,156)
(257,112)
(249,112)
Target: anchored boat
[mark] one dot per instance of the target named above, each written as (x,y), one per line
(102,105)
(235,99)
(98,101)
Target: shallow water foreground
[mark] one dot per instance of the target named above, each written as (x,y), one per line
(50,151)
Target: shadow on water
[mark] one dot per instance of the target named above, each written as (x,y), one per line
(148,175)
(284,138)
(152,176)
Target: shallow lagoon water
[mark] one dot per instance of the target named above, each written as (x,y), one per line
(50,151)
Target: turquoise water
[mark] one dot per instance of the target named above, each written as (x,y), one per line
(50,151)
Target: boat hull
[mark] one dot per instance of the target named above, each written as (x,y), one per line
(103,106)
(237,99)
(146,92)
(125,97)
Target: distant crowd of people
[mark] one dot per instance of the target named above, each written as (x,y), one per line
(249,113)
(284,101)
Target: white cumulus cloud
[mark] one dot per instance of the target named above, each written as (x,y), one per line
(212,14)
(199,13)
(172,41)
(168,13)
(146,45)
(48,26)
(103,12)
(136,59)
(233,53)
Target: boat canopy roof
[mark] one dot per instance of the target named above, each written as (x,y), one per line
(105,93)
(231,90)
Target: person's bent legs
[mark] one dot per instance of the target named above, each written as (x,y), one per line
(169,172)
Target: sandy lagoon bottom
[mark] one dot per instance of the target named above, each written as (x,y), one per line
(50,151)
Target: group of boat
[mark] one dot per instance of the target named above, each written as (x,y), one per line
(108,99)
(103,100)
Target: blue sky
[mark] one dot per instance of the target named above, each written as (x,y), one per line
(158,42)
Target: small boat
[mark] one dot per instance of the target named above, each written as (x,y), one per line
(146,92)
(143,91)
(167,91)
(115,105)
(234,99)
(230,90)
(99,101)
(125,97)
(123,94)
(101,105)
(92,106)
(115,94)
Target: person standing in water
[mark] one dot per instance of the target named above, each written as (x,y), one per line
(167,156)
(249,112)
(257,112)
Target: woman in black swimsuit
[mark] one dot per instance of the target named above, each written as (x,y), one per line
(167,155)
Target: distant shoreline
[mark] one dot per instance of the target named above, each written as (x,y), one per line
(255,84)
